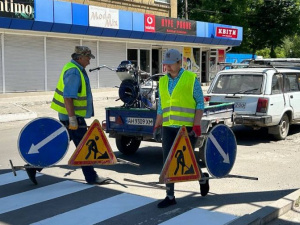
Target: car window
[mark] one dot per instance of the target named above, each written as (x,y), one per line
(291,83)
(277,84)
(238,83)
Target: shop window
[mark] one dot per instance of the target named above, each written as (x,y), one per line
(132,55)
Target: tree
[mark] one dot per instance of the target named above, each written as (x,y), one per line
(266,23)
(274,21)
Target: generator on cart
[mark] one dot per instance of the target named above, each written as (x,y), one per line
(133,122)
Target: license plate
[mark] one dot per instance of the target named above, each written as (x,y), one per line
(139,121)
(240,105)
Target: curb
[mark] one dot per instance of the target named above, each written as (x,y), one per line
(270,212)
(17,116)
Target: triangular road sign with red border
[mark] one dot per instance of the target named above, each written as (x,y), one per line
(181,164)
(94,148)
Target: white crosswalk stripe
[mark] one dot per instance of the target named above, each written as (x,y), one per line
(8,178)
(16,208)
(195,215)
(38,195)
(117,205)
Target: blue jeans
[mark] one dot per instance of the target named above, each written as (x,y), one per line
(76,136)
(168,137)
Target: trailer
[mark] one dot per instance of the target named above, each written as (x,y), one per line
(133,122)
(130,126)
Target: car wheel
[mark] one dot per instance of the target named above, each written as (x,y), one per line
(283,128)
(127,145)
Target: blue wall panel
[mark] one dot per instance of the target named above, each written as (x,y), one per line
(199,40)
(43,10)
(149,35)
(60,27)
(80,14)
(62,17)
(42,26)
(21,24)
(180,38)
(78,29)
(62,12)
(138,21)
(189,39)
(201,29)
(136,35)
(96,31)
(109,32)
(160,37)
(170,37)
(123,33)
(125,20)
(5,22)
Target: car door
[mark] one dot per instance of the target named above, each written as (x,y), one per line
(291,87)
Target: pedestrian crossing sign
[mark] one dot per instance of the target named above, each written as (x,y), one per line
(181,164)
(94,148)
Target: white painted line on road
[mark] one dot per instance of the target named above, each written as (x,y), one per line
(38,195)
(99,211)
(198,216)
(8,178)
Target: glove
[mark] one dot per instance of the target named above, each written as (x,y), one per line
(73,124)
(196,131)
(157,133)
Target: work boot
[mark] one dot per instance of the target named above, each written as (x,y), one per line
(167,202)
(204,185)
(31,172)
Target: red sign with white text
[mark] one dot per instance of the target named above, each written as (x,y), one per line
(149,23)
(226,32)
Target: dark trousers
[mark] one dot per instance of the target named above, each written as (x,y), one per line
(76,136)
(168,137)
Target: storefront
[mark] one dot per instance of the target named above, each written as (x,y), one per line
(38,37)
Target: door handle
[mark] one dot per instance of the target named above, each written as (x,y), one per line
(291,96)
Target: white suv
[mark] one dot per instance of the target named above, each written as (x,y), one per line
(264,95)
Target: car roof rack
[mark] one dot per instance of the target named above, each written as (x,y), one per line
(233,65)
(276,62)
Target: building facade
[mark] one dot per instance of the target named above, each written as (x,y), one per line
(38,38)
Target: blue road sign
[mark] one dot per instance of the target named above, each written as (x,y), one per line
(220,151)
(43,142)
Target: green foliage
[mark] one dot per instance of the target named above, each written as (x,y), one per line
(266,23)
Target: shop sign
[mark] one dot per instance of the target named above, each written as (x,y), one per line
(226,32)
(169,25)
(103,17)
(21,9)
(149,23)
(175,26)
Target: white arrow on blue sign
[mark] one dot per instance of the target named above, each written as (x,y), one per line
(220,151)
(43,142)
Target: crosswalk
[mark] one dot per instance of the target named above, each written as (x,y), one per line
(60,201)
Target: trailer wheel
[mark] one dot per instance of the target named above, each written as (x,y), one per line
(127,145)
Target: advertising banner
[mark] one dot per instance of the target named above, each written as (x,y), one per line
(189,62)
(103,17)
(226,32)
(20,9)
(169,25)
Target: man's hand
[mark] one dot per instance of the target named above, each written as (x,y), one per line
(196,131)
(73,124)
(157,133)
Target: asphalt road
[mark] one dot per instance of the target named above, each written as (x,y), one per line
(274,163)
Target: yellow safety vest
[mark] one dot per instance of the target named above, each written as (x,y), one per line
(80,103)
(178,108)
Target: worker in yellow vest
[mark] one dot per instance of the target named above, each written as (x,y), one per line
(180,103)
(73,101)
